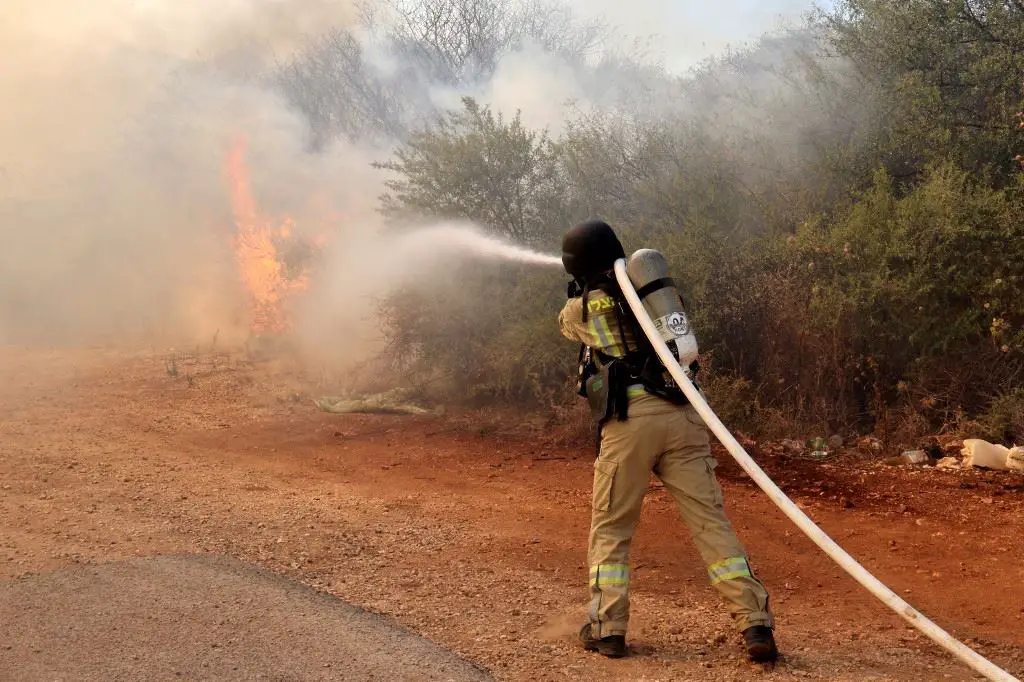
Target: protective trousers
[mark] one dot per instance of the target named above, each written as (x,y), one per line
(672,442)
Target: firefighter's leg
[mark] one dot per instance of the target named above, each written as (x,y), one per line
(687,469)
(621,477)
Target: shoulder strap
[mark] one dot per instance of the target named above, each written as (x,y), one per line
(655,285)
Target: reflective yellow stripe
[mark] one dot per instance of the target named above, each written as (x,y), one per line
(610,345)
(636,390)
(609,574)
(725,565)
(729,569)
(602,337)
(742,573)
(598,333)
(612,582)
(608,569)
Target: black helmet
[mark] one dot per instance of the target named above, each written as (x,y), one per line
(590,249)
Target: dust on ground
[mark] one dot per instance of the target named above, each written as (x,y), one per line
(472,530)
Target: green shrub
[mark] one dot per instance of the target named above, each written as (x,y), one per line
(1003,421)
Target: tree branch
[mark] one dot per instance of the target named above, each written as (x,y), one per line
(969,14)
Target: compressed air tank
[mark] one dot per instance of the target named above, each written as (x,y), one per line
(649,273)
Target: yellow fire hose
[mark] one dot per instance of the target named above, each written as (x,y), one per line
(979,663)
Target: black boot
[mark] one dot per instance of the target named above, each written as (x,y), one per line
(760,644)
(612,646)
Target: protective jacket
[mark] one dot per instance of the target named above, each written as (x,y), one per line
(616,362)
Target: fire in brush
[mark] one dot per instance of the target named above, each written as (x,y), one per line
(272,259)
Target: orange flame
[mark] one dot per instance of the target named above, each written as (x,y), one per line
(259,264)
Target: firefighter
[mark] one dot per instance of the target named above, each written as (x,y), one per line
(645,425)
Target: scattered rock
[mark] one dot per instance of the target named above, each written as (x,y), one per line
(914,457)
(870,443)
(910,458)
(791,445)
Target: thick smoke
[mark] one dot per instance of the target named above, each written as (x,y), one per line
(115,221)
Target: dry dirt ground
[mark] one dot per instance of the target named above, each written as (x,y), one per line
(471,530)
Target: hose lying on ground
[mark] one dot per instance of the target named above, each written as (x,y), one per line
(816,534)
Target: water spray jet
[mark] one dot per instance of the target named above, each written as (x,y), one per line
(463,238)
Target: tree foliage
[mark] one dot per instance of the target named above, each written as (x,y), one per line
(475,165)
(378,80)
(843,205)
(949,76)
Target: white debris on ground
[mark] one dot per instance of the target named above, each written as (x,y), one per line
(984,455)
(980,454)
(1015,459)
(946,453)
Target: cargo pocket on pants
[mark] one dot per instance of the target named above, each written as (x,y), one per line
(717,498)
(604,477)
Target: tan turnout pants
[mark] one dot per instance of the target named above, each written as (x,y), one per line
(672,442)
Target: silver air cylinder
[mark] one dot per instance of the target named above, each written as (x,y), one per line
(648,271)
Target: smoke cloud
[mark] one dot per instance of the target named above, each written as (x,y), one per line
(683,33)
(114,220)
(116,225)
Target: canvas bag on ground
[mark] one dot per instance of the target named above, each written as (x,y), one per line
(1015,460)
(981,453)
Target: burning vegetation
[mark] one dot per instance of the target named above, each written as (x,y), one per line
(273,259)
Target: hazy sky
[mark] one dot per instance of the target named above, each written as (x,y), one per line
(687,31)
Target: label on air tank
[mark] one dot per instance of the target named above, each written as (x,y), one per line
(672,326)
